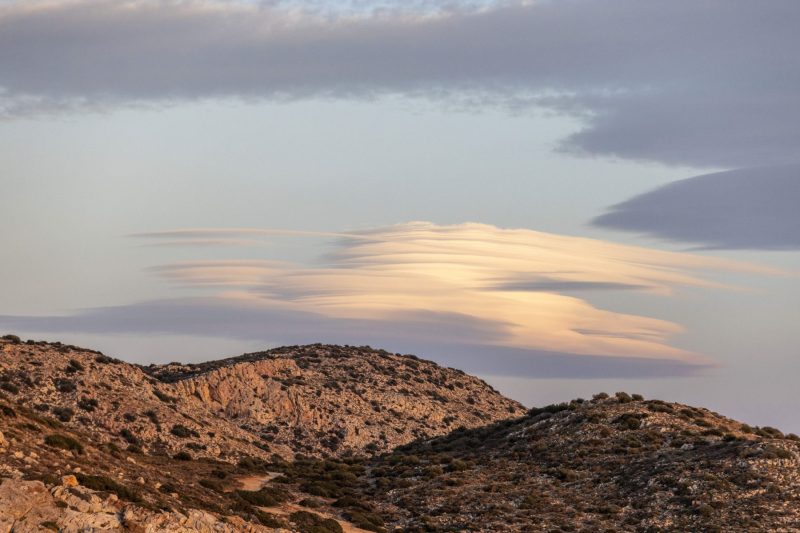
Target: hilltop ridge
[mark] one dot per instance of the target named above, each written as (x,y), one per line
(315,399)
(245,444)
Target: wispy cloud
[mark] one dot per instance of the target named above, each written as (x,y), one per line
(473,289)
(703,83)
(422,267)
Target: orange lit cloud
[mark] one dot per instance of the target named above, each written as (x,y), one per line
(517,278)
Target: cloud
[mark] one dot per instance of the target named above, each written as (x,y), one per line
(450,338)
(710,83)
(565,286)
(469,288)
(753,208)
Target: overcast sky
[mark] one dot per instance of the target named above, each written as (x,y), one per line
(561,196)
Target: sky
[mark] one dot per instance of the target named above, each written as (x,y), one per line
(561,196)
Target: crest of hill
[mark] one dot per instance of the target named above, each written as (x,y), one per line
(319,400)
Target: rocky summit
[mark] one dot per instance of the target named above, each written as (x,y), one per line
(319,438)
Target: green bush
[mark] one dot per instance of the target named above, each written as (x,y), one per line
(104,484)
(65,385)
(366,520)
(129,437)
(64,414)
(63,442)
(269,520)
(312,523)
(264,497)
(212,484)
(179,430)
(88,404)
(623,397)
(552,409)
(74,366)
(166,398)
(9,387)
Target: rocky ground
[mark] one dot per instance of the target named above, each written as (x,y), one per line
(323,439)
(615,463)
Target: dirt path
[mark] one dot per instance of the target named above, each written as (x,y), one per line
(289,508)
(256,482)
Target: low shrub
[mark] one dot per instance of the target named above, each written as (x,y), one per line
(313,523)
(212,484)
(179,430)
(366,520)
(105,484)
(64,414)
(88,404)
(9,387)
(74,366)
(63,442)
(129,437)
(166,398)
(65,385)
(552,409)
(264,497)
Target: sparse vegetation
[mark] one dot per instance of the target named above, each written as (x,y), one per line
(264,497)
(106,484)
(63,442)
(88,404)
(179,430)
(307,522)
(64,414)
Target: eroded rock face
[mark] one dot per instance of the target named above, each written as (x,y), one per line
(314,399)
(333,400)
(118,403)
(24,505)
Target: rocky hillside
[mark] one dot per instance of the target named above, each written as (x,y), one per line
(609,464)
(88,443)
(335,400)
(318,400)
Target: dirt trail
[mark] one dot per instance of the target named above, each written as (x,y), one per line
(289,508)
(256,482)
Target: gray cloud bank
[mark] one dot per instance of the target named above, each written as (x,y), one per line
(451,339)
(755,208)
(710,83)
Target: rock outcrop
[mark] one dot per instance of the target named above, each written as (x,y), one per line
(334,400)
(318,400)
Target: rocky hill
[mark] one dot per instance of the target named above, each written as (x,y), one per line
(318,400)
(335,400)
(325,439)
(609,464)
